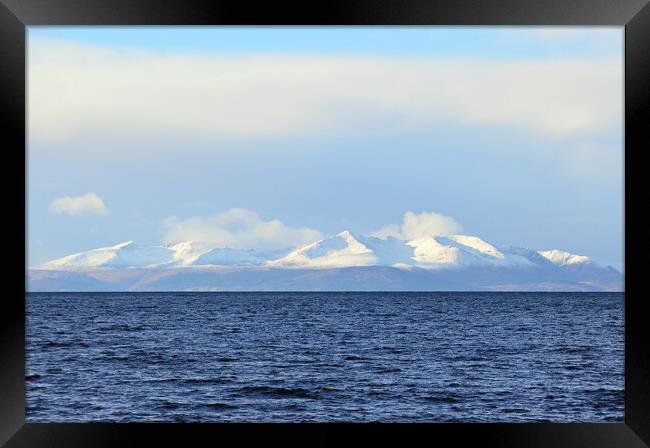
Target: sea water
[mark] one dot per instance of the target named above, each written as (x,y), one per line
(354,357)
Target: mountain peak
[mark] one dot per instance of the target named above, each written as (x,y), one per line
(341,250)
(562,258)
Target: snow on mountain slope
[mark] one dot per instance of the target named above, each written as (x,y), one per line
(342,250)
(561,258)
(127,254)
(477,244)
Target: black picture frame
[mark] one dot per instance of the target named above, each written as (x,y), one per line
(16,15)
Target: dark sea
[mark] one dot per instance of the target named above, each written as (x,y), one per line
(354,357)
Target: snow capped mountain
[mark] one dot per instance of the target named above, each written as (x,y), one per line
(340,262)
(464,250)
(340,251)
(133,255)
(127,254)
(431,252)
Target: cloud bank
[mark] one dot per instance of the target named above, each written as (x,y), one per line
(237,228)
(81,90)
(417,225)
(87,204)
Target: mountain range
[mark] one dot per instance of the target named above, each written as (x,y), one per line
(342,262)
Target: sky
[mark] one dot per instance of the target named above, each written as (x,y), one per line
(269,137)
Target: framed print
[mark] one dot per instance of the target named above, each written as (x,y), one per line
(393,221)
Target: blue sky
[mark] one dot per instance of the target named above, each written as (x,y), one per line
(156,134)
(485,42)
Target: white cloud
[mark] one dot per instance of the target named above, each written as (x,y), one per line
(237,228)
(76,90)
(87,204)
(416,225)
